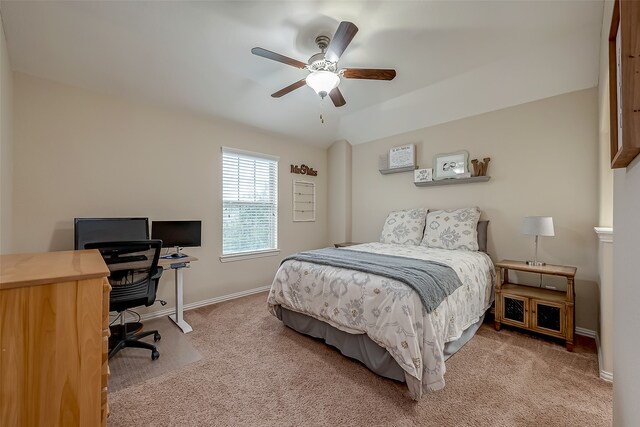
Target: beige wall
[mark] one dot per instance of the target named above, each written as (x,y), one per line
(80,154)
(6,147)
(626,290)
(544,161)
(626,295)
(339,183)
(605,174)
(605,213)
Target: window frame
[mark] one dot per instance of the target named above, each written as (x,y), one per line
(237,256)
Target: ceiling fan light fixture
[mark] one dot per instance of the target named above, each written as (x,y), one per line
(323,82)
(324,75)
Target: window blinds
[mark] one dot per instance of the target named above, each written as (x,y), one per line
(249,202)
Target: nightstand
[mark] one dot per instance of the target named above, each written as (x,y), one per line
(345,244)
(545,311)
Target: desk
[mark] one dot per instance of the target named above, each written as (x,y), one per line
(178,264)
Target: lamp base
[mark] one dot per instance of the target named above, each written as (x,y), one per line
(536,263)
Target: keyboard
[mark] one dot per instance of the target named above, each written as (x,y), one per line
(123,259)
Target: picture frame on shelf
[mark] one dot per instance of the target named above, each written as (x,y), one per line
(423,175)
(451,165)
(402,156)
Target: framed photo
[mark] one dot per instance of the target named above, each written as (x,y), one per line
(403,156)
(450,165)
(624,81)
(423,175)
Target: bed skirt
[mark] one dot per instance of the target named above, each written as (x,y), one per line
(360,346)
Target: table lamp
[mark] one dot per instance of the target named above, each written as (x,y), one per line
(537,226)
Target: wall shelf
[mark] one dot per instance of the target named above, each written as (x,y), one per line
(398,170)
(453,181)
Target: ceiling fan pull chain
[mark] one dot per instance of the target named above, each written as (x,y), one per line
(322,109)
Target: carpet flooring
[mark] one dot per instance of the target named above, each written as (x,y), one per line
(256,372)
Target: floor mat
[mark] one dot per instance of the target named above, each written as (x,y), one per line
(132,366)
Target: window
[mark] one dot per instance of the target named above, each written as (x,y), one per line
(249,202)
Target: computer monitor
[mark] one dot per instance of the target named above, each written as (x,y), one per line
(92,230)
(179,234)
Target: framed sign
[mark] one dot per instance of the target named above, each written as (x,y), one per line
(450,165)
(624,83)
(403,156)
(423,175)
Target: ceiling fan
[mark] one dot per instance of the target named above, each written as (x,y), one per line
(324,75)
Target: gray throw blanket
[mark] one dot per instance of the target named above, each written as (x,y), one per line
(432,280)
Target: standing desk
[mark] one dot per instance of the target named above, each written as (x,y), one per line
(178,264)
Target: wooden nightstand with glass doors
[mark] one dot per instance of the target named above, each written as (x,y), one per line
(541,310)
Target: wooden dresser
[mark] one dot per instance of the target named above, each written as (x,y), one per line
(54,332)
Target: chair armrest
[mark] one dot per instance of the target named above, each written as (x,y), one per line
(157,273)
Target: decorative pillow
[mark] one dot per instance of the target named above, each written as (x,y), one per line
(404,227)
(452,229)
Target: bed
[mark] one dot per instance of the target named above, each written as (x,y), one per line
(381,320)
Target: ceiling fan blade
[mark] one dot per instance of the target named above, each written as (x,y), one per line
(289,88)
(369,73)
(277,57)
(341,39)
(337,98)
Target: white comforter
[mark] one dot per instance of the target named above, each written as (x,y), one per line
(388,311)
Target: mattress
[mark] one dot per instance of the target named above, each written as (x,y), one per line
(389,312)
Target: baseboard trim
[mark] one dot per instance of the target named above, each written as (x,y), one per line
(204,303)
(604,375)
(586,332)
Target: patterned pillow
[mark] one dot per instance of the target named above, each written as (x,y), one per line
(404,227)
(452,229)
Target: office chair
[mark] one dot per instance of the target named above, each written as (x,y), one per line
(134,282)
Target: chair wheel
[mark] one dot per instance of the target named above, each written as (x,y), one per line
(157,336)
(155,354)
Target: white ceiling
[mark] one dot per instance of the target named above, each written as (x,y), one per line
(453,58)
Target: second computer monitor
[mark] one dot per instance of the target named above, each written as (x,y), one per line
(92,230)
(180,234)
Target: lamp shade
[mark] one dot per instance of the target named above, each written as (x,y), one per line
(322,81)
(538,226)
